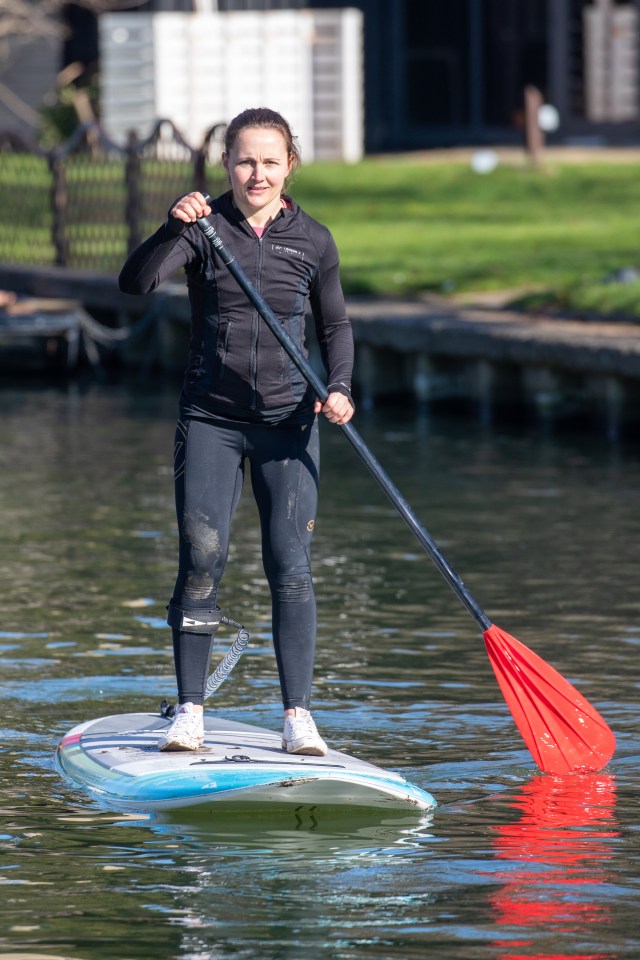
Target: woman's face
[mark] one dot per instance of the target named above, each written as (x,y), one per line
(258,165)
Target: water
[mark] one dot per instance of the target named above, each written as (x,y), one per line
(513,864)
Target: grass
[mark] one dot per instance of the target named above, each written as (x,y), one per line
(406,225)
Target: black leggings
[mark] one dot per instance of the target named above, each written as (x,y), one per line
(209,462)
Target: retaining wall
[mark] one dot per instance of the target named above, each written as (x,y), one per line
(492,362)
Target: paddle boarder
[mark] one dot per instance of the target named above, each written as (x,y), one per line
(245,406)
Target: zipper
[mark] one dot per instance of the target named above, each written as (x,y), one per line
(255,332)
(255,338)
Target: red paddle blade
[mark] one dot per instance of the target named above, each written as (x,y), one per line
(564,733)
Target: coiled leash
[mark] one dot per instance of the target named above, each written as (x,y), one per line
(223,669)
(230,658)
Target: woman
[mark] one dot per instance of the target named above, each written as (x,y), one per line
(243,402)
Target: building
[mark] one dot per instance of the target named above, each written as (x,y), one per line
(444,74)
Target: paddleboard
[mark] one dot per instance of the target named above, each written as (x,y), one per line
(117,760)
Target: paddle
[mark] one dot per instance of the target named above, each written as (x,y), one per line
(564,733)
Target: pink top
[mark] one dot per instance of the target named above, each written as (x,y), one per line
(260,230)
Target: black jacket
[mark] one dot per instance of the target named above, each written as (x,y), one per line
(236,368)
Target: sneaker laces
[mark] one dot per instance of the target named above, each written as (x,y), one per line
(304,724)
(186,721)
(300,725)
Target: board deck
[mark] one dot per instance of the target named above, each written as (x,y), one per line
(117,759)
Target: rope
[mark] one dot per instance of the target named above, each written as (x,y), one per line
(92,333)
(109,337)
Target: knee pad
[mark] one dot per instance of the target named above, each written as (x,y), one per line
(202,621)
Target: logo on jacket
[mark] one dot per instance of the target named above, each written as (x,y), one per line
(282,250)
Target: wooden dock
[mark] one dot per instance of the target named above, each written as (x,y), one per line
(43,335)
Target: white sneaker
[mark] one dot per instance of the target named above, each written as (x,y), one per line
(300,735)
(186,731)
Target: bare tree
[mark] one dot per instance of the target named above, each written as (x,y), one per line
(34,22)
(43,18)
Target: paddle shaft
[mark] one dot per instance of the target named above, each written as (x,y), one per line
(307,371)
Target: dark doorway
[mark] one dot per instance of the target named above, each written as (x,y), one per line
(437,63)
(515,54)
(464,66)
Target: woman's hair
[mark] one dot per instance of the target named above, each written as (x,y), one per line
(264,117)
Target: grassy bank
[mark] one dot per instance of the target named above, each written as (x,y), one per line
(404,227)
(407,225)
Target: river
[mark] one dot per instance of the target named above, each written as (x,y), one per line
(545,530)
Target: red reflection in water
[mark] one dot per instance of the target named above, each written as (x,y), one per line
(560,847)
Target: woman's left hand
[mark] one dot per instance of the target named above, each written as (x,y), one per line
(337,408)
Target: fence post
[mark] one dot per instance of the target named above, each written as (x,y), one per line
(201,156)
(199,168)
(534,135)
(59,205)
(132,191)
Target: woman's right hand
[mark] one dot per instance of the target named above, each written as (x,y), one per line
(190,208)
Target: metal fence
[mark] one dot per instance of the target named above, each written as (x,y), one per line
(88,203)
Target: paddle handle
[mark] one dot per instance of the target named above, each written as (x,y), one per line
(374,467)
